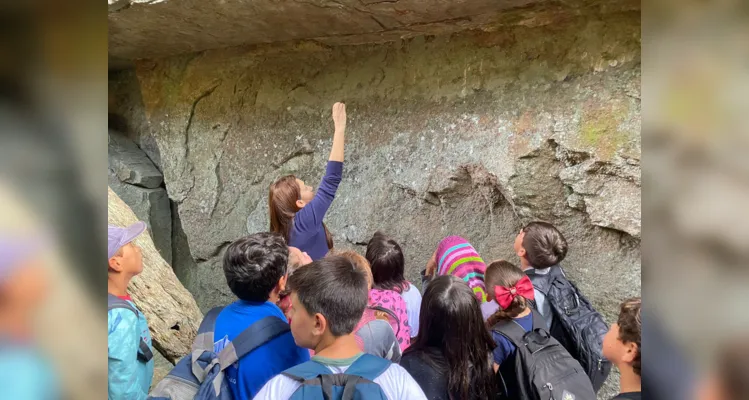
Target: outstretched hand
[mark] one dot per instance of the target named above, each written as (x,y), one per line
(339,117)
(431,265)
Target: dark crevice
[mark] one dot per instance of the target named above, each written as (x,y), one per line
(192,114)
(378,22)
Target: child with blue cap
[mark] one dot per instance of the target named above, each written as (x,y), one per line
(130,350)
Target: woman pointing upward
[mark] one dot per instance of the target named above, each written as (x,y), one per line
(297,212)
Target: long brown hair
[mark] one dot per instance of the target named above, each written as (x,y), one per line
(282,197)
(451,322)
(505,274)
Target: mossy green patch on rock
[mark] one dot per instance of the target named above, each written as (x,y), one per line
(600,129)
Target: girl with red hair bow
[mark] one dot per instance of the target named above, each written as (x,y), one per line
(511,289)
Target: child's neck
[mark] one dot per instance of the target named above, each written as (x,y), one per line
(117,284)
(629,381)
(524,264)
(337,347)
(524,312)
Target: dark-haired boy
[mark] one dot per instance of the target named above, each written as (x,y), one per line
(540,246)
(328,298)
(621,346)
(255,270)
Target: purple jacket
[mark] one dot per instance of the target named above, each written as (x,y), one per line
(307,233)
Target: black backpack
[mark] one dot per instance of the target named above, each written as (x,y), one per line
(541,368)
(576,325)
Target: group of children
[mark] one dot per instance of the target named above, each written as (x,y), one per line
(357,316)
(345,305)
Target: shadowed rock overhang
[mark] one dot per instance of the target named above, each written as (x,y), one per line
(159,28)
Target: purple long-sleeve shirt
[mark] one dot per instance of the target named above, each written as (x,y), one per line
(307,233)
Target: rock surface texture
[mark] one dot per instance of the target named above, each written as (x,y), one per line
(158,28)
(137,181)
(173,316)
(533,115)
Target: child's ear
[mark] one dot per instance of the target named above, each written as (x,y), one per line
(629,356)
(282,283)
(115,263)
(300,203)
(522,252)
(320,325)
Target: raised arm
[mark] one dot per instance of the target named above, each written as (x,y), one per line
(339,121)
(311,215)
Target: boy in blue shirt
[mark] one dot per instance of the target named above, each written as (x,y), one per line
(255,270)
(130,368)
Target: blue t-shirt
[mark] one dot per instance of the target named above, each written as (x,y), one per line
(505,348)
(251,372)
(307,233)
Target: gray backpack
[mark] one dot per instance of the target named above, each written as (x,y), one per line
(200,374)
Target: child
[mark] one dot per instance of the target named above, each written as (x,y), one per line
(449,358)
(455,256)
(511,289)
(374,335)
(540,246)
(621,346)
(297,212)
(24,287)
(255,270)
(501,276)
(328,298)
(130,350)
(388,265)
(297,259)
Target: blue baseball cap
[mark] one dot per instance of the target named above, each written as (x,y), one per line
(119,237)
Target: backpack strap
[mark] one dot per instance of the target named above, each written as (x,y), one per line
(204,340)
(539,322)
(368,366)
(145,354)
(511,330)
(256,335)
(391,314)
(306,371)
(116,302)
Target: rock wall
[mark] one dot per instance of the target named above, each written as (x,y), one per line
(472,133)
(137,181)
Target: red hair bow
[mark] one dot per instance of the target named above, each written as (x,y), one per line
(504,296)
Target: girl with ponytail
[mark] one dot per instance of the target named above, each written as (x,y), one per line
(297,212)
(511,289)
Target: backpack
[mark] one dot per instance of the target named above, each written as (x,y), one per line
(392,302)
(576,325)
(144,350)
(368,316)
(200,374)
(319,382)
(541,368)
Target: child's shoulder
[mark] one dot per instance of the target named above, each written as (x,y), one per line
(122,319)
